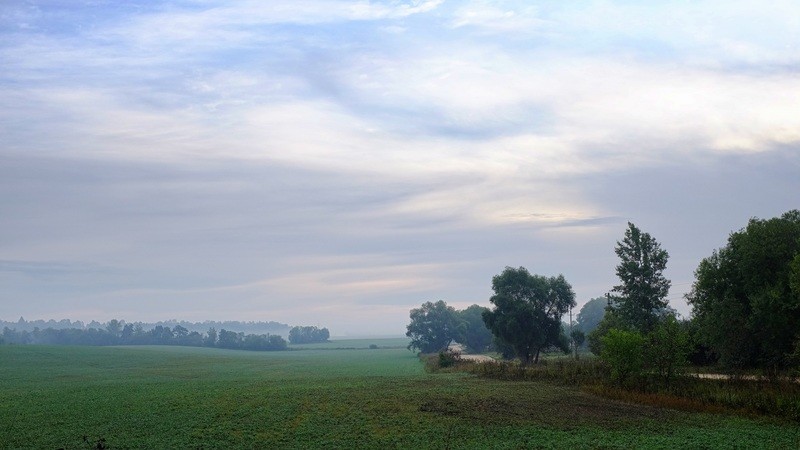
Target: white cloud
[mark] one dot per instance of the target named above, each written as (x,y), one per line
(236,23)
(468,120)
(498,16)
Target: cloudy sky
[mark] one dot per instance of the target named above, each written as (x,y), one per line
(336,163)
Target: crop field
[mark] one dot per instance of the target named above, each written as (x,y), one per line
(350,397)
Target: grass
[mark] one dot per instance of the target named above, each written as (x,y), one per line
(179,397)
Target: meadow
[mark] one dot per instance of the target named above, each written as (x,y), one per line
(337,395)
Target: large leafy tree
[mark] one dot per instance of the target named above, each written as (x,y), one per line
(746,295)
(527,311)
(433,327)
(642,293)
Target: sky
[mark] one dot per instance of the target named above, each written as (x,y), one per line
(337,163)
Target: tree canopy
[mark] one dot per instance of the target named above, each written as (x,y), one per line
(475,336)
(591,314)
(120,333)
(752,286)
(308,335)
(643,288)
(527,311)
(433,327)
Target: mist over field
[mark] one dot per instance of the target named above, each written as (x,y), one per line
(337,163)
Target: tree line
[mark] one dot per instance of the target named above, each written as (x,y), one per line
(248,327)
(119,333)
(745,308)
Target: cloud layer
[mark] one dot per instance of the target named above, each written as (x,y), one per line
(341,162)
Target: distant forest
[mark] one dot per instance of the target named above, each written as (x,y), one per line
(116,332)
(278,328)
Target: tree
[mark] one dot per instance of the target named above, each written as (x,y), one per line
(433,327)
(114,328)
(180,332)
(276,342)
(476,336)
(643,289)
(527,311)
(211,338)
(595,338)
(161,335)
(127,333)
(591,314)
(308,335)
(229,339)
(752,286)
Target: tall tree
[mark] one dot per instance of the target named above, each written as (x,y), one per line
(746,295)
(643,289)
(527,311)
(433,327)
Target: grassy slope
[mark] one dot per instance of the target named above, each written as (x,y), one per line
(148,397)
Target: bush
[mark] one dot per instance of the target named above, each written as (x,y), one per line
(448,358)
(667,348)
(624,353)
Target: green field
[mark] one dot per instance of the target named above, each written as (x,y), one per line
(180,397)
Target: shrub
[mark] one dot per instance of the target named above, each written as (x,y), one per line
(667,348)
(448,358)
(624,352)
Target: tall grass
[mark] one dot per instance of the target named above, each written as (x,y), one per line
(776,398)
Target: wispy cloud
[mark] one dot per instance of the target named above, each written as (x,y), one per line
(244,134)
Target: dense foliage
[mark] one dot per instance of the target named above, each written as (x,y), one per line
(746,297)
(433,327)
(591,314)
(595,338)
(475,335)
(624,352)
(248,327)
(308,335)
(527,311)
(117,333)
(643,289)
